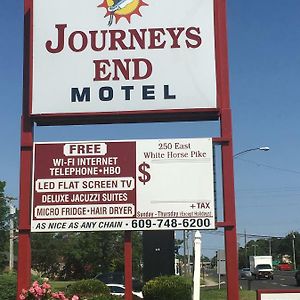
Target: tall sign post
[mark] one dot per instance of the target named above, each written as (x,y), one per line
(229,223)
(114,61)
(24,247)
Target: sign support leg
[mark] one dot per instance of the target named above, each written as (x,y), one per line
(229,209)
(27,129)
(24,262)
(128,265)
(24,248)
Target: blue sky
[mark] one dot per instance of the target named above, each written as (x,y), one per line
(264,61)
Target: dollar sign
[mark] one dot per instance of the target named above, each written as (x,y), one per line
(146,175)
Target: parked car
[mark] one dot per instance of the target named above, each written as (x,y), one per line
(297,277)
(285,267)
(119,290)
(111,277)
(119,278)
(245,273)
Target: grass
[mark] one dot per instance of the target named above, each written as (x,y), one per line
(60,285)
(206,293)
(216,294)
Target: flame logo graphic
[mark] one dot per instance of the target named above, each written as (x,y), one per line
(122,9)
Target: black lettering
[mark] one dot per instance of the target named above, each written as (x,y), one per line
(127,89)
(76,96)
(148,92)
(106,93)
(167,93)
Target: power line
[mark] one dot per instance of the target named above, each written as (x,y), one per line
(221,233)
(270,167)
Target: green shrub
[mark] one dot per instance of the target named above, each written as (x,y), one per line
(168,288)
(88,288)
(8,286)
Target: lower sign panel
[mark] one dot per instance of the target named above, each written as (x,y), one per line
(163,184)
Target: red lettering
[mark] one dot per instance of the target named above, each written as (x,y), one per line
(152,38)
(94,45)
(137,36)
(60,39)
(116,38)
(175,36)
(193,33)
(100,70)
(123,68)
(142,69)
(137,71)
(83,42)
(155,38)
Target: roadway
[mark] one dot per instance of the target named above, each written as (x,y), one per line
(282,280)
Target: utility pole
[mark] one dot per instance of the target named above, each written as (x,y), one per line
(10,218)
(12,211)
(184,253)
(246,254)
(294,251)
(188,253)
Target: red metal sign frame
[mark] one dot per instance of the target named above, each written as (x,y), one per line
(223,112)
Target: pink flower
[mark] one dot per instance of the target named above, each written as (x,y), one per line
(43,292)
(55,295)
(38,290)
(45,285)
(62,296)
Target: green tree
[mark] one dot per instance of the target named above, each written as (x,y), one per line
(83,255)
(4,208)
(285,246)
(278,247)
(178,243)
(243,258)
(205,258)
(4,234)
(214,261)
(45,252)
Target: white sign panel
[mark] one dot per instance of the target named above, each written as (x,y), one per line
(123,185)
(280,296)
(221,262)
(99,56)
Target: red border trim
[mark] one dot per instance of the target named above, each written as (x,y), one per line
(197,114)
(261,292)
(28,58)
(221,54)
(127,117)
